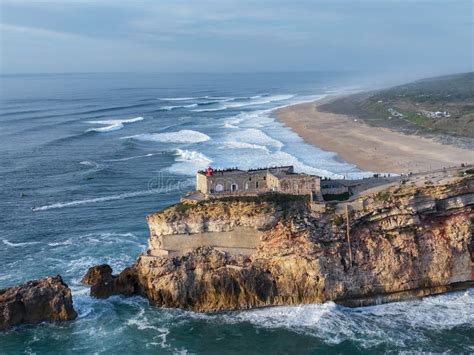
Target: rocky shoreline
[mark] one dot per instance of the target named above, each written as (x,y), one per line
(406,240)
(47,299)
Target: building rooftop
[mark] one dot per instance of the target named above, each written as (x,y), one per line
(255,170)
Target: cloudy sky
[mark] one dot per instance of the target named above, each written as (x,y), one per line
(431,36)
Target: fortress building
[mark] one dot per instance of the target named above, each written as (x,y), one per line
(211,182)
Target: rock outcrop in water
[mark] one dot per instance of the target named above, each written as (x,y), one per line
(411,238)
(47,299)
(104,284)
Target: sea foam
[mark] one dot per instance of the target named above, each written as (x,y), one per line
(251,101)
(188,162)
(183,136)
(253,136)
(367,326)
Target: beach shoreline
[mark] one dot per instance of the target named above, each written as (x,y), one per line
(370,148)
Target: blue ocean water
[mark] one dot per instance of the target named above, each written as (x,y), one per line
(85,157)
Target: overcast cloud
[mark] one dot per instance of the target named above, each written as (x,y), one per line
(233,36)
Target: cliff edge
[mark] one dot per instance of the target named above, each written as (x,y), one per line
(410,238)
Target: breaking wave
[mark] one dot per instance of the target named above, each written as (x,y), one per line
(101,199)
(11,244)
(177,98)
(171,107)
(211,109)
(132,158)
(243,145)
(254,136)
(188,162)
(251,101)
(230,125)
(183,136)
(112,125)
(367,326)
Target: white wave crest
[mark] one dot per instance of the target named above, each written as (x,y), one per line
(112,125)
(252,101)
(183,136)
(57,244)
(401,323)
(206,97)
(251,119)
(188,162)
(105,198)
(88,163)
(177,98)
(210,109)
(169,108)
(132,158)
(230,125)
(243,145)
(11,244)
(254,136)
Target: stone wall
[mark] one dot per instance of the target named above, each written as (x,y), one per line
(334,190)
(201,183)
(298,184)
(240,240)
(236,181)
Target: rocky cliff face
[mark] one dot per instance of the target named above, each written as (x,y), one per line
(409,239)
(48,299)
(210,217)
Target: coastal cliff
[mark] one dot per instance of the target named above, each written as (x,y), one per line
(410,238)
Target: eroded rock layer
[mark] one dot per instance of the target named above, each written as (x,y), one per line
(409,239)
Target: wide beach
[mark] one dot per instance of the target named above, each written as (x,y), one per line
(370,148)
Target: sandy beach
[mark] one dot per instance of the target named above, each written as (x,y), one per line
(370,148)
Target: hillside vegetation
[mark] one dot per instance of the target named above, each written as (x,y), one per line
(435,106)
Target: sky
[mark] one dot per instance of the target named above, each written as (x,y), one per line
(44,36)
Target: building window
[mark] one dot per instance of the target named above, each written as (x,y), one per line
(219,188)
(234,187)
(256,184)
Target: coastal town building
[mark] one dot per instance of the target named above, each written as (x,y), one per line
(212,182)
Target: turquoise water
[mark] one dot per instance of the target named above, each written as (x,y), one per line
(85,157)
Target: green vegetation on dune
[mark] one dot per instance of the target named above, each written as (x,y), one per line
(456,87)
(416,118)
(442,105)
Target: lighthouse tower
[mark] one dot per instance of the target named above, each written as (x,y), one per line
(209,171)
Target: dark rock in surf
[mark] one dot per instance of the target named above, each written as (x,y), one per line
(47,299)
(104,284)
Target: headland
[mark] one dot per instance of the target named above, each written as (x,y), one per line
(410,236)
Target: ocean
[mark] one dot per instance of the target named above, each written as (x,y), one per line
(85,157)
